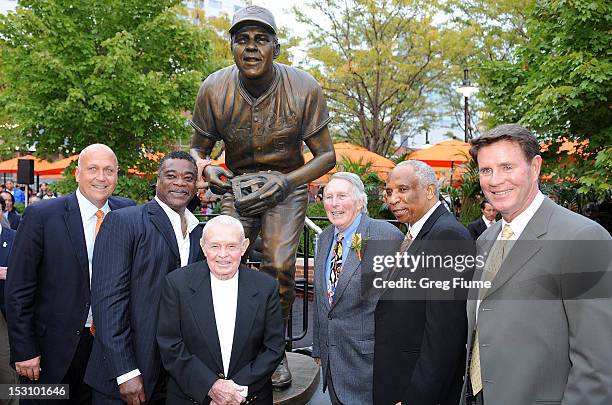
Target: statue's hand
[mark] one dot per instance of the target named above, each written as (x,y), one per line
(274,190)
(213,176)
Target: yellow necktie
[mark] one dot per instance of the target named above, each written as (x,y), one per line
(493,266)
(99,219)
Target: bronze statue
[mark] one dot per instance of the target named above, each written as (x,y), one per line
(263,111)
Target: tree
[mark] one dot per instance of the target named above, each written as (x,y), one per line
(559,84)
(377,61)
(118,72)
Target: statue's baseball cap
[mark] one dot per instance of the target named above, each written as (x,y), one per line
(253,14)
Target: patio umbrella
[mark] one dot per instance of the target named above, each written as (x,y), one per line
(10,166)
(380,164)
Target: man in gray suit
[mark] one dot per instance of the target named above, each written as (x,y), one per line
(343,337)
(530,340)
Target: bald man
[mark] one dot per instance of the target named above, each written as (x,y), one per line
(47,285)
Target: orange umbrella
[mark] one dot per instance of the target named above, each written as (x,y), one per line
(446,158)
(10,166)
(380,164)
(444,154)
(56,168)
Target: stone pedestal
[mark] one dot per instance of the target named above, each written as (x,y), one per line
(305,374)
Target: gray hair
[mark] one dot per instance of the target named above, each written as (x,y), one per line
(223,220)
(423,172)
(358,187)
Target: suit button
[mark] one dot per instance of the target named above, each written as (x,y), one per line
(329,317)
(78,332)
(220,375)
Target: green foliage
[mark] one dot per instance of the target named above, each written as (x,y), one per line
(377,61)
(116,72)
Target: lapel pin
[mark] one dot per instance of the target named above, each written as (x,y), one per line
(4,244)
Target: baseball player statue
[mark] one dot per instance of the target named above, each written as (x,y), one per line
(263,112)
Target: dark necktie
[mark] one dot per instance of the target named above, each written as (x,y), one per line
(336,268)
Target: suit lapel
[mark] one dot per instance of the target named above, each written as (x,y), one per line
(74,226)
(246,309)
(201,306)
(195,251)
(324,248)
(516,259)
(4,247)
(352,261)
(161,221)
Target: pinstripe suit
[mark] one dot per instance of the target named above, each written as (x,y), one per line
(343,334)
(135,249)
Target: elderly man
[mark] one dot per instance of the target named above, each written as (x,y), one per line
(47,286)
(345,351)
(220,330)
(532,337)
(135,249)
(487,219)
(419,350)
(264,112)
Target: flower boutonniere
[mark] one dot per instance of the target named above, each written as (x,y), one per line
(357,245)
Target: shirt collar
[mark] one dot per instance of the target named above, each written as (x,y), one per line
(519,223)
(175,218)
(487,222)
(87,208)
(418,225)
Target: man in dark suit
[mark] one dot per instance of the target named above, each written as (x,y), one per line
(9,213)
(487,219)
(47,286)
(419,348)
(220,330)
(7,374)
(346,352)
(135,250)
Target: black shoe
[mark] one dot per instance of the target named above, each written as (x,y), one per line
(281,379)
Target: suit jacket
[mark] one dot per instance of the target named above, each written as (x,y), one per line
(189,342)
(6,245)
(419,349)
(343,334)
(477,227)
(47,286)
(135,249)
(14,219)
(543,346)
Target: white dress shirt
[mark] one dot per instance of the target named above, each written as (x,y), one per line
(418,225)
(88,218)
(487,222)
(225,301)
(184,245)
(518,225)
(184,242)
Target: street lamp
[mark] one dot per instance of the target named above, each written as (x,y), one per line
(467,90)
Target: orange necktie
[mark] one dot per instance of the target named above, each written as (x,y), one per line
(99,219)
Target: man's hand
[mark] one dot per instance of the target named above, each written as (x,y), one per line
(213,176)
(274,190)
(225,392)
(132,391)
(201,164)
(317,360)
(29,368)
(3,273)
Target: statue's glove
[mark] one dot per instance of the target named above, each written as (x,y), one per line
(256,192)
(214,175)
